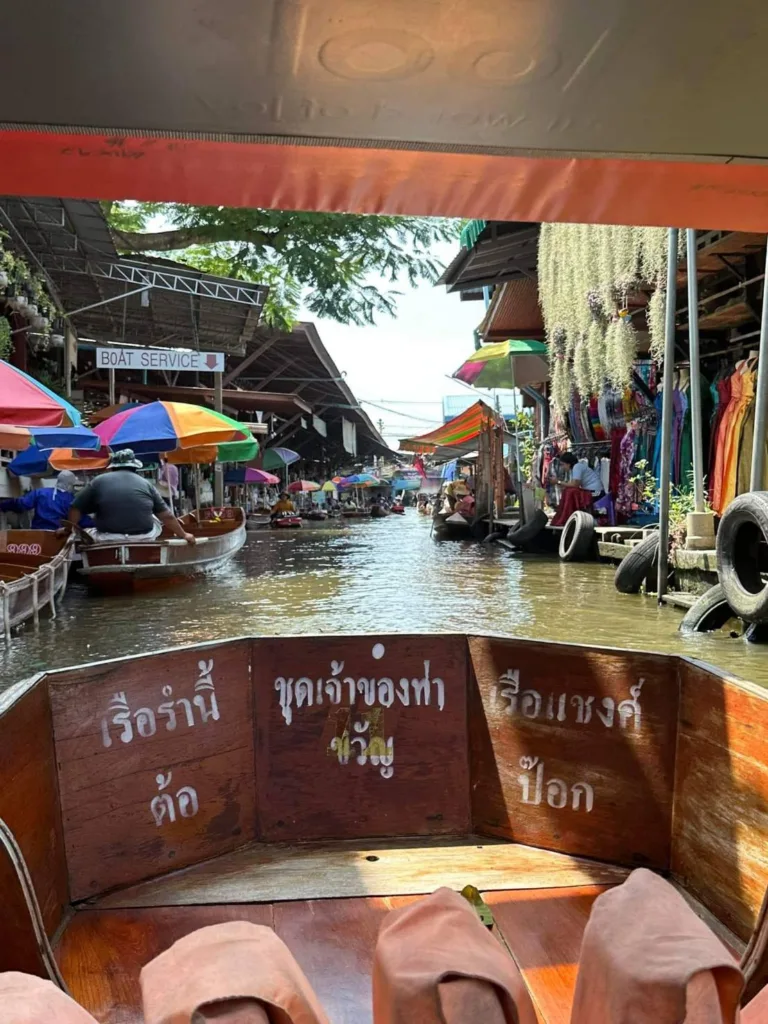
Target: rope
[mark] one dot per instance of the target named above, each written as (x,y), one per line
(16,857)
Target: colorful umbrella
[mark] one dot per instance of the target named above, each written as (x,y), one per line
(110,410)
(276,458)
(27,402)
(508,364)
(302,487)
(18,439)
(232,451)
(329,485)
(249,475)
(165,426)
(360,480)
(36,462)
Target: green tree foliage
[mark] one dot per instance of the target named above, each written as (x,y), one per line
(340,265)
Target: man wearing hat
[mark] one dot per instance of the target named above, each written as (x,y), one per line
(124,505)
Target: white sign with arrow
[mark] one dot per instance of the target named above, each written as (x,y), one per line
(159,359)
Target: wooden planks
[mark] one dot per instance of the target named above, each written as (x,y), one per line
(359,736)
(29,806)
(155,763)
(720,835)
(258,874)
(101,953)
(544,932)
(573,749)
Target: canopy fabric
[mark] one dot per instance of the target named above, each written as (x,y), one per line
(507,364)
(110,410)
(18,439)
(329,487)
(35,462)
(459,433)
(230,451)
(26,402)
(302,487)
(165,426)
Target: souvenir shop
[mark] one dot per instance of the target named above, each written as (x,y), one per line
(615,432)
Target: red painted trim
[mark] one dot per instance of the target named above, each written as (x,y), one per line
(701,195)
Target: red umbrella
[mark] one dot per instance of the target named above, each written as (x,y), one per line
(28,403)
(302,487)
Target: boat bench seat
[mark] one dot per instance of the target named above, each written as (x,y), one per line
(333,941)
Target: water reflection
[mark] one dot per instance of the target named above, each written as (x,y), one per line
(379,576)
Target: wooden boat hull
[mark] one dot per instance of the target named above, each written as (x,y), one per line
(316,515)
(220,535)
(286,523)
(444,529)
(575,763)
(34,567)
(356,513)
(379,513)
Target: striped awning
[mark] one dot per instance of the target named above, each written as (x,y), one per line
(458,433)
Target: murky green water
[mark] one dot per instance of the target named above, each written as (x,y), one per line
(384,575)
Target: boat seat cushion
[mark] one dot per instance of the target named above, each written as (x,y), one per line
(225,962)
(423,946)
(647,958)
(25,999)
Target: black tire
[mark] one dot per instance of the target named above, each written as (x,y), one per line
(742,555)
(633,569)
(577,540)
(525,534)
(710,612)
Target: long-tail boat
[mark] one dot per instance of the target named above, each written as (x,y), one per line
(314,783)
(219,534)
(34,566)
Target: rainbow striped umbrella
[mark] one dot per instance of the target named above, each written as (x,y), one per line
(508,364)
(25,401)
(166,426)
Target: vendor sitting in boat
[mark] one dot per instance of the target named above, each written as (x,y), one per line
(124,505)
(283,505)
(49,505)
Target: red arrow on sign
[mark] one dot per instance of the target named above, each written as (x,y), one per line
(211,361)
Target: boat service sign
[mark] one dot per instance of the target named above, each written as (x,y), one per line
(113,358)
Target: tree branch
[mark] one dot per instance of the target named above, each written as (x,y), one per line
(183,238)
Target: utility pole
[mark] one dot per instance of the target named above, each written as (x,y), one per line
(381,426)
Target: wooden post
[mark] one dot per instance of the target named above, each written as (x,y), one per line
(218,469)
(112,398)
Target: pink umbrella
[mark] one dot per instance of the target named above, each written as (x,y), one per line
(260,476)
(302,487)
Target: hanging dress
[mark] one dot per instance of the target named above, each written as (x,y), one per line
(730,391)
(733,441)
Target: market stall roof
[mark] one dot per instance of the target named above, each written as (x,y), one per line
(514,312)
(456,437)
(182,307)
(496,252)
(298,361)
(241,401)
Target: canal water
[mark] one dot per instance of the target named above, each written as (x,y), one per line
(385,575)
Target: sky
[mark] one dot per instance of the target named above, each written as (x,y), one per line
(402,363)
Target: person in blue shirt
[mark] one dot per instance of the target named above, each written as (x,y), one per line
(49,505)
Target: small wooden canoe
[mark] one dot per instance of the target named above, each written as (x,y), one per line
(34,566)
(356,513)
(451,526)
(311,784)
(286,521)
(220,534)
(379,512)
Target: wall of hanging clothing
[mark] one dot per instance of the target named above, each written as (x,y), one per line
(732,425)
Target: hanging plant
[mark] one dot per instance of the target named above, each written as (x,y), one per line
(586,274)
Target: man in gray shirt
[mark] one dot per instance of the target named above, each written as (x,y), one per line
(124,504)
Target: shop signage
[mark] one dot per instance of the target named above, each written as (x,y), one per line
(159,359)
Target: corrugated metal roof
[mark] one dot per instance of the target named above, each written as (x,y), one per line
(514,312)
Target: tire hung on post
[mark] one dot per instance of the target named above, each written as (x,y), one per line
(635,567)
(578,537)
(525,534)
(742,555)
(709,612)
